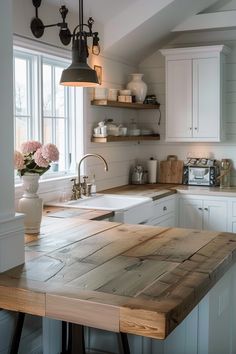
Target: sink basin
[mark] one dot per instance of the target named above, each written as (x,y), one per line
(104,202)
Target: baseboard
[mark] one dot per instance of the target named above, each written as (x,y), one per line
(12,251)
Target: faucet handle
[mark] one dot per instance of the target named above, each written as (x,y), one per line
(74,189)
(73,180)
(85,178)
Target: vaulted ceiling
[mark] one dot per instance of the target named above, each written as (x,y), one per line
(131,30)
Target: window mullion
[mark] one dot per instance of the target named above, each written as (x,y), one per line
(40,98)
(53,105)
(29,99)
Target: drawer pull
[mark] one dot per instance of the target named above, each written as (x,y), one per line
(199,208)
(164,208)
(206,209)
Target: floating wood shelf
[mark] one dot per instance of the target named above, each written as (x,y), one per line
(106,103)
(110,139)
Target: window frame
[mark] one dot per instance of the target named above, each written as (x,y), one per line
(51,182)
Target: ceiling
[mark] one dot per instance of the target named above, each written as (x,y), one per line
(132,30)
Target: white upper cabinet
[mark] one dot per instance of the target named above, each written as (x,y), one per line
(194,100)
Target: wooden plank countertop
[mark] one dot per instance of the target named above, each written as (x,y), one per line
(88,214)
(154,191)
(132,278)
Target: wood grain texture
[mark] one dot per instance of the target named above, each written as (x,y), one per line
(171,171)
(133,278)
(154,191)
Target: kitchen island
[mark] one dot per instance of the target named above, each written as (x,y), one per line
(135,279)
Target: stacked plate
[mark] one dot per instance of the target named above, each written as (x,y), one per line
(146,132)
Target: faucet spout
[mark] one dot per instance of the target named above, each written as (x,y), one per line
(83,158)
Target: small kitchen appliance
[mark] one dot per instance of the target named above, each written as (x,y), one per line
(201,172)
(139,175)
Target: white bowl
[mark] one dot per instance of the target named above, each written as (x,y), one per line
(134,132)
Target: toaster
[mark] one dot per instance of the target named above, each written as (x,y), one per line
(201,172)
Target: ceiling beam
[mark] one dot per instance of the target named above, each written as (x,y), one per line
(217,20)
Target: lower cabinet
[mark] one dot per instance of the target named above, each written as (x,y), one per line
(208,329)
(164,212)
(210,213)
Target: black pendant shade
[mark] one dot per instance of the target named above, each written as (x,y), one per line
(79,72)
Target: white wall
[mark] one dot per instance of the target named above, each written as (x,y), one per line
(153,68)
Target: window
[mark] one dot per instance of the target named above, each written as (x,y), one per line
(43,109)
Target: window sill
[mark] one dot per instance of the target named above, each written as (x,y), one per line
(50,188)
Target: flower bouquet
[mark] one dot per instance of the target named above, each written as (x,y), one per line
(35,157)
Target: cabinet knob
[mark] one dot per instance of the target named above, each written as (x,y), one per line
(190,128)
(164,208)
(199,208)
(195,128)
(206,209)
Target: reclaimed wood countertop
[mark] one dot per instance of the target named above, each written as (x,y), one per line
(131,278)
(154,191)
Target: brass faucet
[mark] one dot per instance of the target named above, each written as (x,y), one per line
(79,188)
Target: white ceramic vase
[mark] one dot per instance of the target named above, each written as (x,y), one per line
(30,204)
(138,87)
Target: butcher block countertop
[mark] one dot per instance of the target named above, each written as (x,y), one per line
(131,278)
(154,191)
(161,190)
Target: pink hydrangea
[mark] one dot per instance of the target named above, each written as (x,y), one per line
(19,162)
(50,152)
(39,159)
(30,146)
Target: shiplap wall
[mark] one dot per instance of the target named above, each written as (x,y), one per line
(120,156)
(153,68)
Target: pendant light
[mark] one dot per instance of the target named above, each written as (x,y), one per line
(79,72)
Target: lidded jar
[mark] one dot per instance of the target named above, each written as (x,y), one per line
(225,166)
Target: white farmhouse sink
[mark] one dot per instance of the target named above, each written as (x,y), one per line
(104,202)
(126,208)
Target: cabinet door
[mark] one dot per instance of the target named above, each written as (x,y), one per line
(215,215)
(206,98)
(179,99)
(191,213)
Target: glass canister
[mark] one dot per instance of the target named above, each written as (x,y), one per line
(225,167)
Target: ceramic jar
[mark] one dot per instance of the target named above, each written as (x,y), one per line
(138,87)
(30,204)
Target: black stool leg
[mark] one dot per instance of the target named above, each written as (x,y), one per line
(17,333)
(124,343)
(64,338)
(76,344)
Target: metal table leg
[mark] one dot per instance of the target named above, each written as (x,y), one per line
(17,333)
(124,343)
(72,339)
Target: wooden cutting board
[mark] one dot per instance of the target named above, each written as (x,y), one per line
(171,171)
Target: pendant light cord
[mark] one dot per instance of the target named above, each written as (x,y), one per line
(81,15)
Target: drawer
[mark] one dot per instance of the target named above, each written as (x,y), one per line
(164,207)
(233,208)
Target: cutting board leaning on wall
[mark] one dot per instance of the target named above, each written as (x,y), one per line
(171,170)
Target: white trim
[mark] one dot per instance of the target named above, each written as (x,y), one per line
(12,252)
(191,50)
(32,45)
(217,20)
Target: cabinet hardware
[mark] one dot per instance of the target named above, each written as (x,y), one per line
(195,128)
(199,208)
(164,208)
(190,128)
(206,209)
